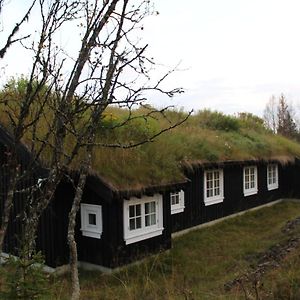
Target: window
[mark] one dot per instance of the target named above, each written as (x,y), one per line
(91,220)
(213,187)
(143,218)
(272,176)
(250,180)
(177,202)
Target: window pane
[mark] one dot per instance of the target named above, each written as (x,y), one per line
(92,219)
(173,200)
(217,191)
(147,208)
(216,174)
(217,183)
(139,222)
(209,193)
(209,176)
(132,224)
(138,209)
(209,184)
(131,211)
(147,220)
(150,220)
(153,219)
(152,206)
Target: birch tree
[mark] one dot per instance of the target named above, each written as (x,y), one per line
(270,114)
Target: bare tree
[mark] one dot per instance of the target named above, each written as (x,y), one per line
(286,124)
(11,37)
(279,116)
(70,95)
(270,114)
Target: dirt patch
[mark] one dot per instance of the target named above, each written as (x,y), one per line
(269,259)
(291,225)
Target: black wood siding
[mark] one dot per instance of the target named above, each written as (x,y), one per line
(111,250)
(196,212)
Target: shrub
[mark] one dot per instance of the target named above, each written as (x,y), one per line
(250,121)
(24,278)
(217,121)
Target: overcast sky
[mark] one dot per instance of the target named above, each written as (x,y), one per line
(234,54)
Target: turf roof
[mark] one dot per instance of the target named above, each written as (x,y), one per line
(206,137)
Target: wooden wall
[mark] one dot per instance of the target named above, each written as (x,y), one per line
(196,212)
(111,251)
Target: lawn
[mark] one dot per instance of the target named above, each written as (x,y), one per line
(202,261)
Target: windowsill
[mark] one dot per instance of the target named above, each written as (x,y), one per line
(250,192)
(143,235)
(93,234)
(212,201)
(272,187)
(177,210)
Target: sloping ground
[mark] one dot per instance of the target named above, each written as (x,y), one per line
(201,262)
(205,137)
(251,281)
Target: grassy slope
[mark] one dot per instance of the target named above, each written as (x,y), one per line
(201,262)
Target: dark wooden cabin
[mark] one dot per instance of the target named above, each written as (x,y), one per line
(109,245)
(116,227)
(100,234)
(199,209)
(29,173)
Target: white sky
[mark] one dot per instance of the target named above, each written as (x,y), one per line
(234,54)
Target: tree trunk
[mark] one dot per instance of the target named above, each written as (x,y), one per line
(71,237)
(8,203)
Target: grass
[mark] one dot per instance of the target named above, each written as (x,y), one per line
(201,262)
(285,281)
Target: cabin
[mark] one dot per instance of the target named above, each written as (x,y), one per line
(117,227)
(119,223)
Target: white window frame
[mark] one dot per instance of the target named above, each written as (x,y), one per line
(275,184)
(145,232)
(91,230)
(210,200)
(251,190)
(177,208)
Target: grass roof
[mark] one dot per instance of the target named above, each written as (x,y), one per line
(205,137)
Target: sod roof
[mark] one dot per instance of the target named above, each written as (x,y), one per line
(206,137)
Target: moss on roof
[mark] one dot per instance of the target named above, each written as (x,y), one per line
(205,137)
